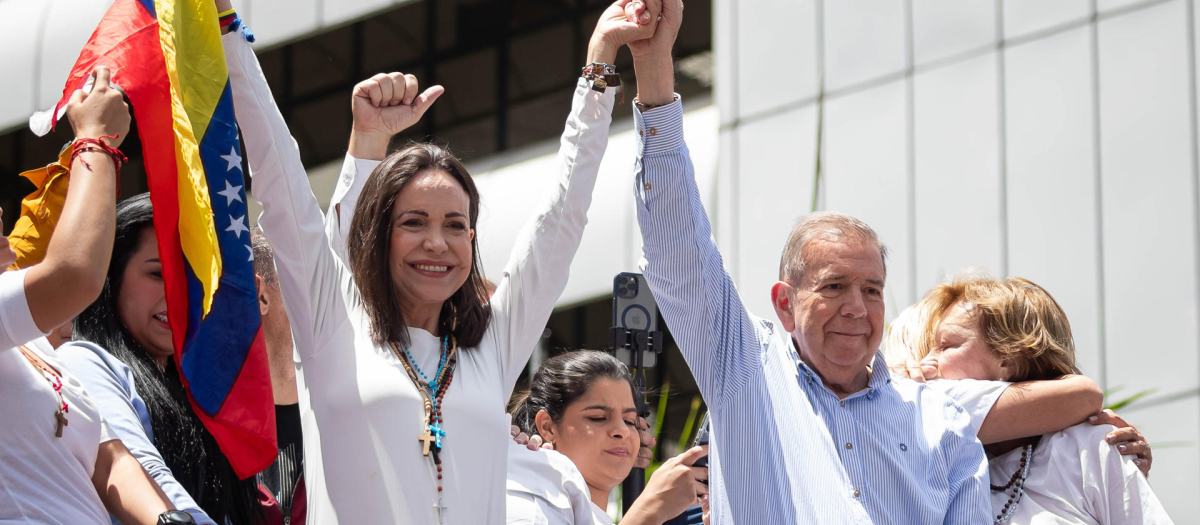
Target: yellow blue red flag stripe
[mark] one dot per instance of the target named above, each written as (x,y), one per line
(167,55)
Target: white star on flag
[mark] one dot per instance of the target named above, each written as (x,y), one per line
(237,226)
(234,160)
(249,249)
(231,193)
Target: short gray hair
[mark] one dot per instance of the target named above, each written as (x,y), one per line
(264,256)
(827,225)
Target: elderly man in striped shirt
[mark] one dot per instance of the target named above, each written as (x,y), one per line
(808,424)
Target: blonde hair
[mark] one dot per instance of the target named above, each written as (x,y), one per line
(1020,321)
(904,334)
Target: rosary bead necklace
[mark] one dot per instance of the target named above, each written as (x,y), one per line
(1016,484)
(432,392)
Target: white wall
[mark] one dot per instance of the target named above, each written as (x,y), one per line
(1023,136)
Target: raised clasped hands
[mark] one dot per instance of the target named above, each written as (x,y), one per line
(624,22)
(383,106)
(666,25)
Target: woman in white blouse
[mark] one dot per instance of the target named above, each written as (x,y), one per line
(1012,330)
(582,405)
(59,464)
(408,369)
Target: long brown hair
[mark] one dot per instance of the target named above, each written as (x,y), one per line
(464,314)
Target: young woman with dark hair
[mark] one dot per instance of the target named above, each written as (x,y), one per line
(123,353)
(408,368)
(60,463)
(582,405)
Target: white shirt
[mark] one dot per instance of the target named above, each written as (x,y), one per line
(368,410)
(1075,477)
(975,396)
(545,488)
(44,479)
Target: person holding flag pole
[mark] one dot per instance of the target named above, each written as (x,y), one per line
(179,357)
(61,463)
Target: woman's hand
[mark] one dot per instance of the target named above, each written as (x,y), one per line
(616,27)
(925,370)
(672,489)
(1128,440)
(668,17)
(531,442)
(646,452)
(383,106)
(100,112)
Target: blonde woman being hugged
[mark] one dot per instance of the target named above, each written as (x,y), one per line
(408,369)
(983,329)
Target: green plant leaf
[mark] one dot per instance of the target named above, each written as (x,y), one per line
(1122,403)
(685,437)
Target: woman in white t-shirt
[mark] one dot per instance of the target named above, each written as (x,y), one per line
(582,405)
(59,464)
(1012,330)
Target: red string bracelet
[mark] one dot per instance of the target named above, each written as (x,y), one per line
(86,145)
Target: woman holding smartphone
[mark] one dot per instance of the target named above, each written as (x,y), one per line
(581,404)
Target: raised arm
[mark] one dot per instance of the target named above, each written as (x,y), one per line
(382,106)
(72,273)
(311,277)
(694,292)
(536,273)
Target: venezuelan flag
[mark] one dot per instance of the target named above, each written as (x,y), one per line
(167,56)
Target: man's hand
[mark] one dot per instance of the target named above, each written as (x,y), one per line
(100,112)
(624,21)
(658,46)
(383,106)
(646,453)
(652,57)
(1128,440)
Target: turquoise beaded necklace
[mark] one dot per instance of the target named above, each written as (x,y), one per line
(432,391)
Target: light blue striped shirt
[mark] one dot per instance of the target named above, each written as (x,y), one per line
(790,450)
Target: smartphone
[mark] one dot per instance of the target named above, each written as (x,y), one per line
(634,309)
(702,439)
